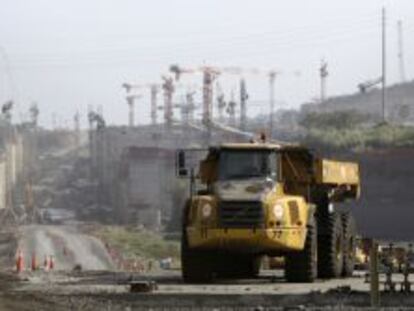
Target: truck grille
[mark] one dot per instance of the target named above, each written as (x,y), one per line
(241,214)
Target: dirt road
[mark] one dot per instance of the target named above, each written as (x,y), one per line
(68,247)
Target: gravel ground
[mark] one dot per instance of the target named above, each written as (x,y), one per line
(109,290)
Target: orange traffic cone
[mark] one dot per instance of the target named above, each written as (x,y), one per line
(51,263)
(34,262)
(46,263)
(19,261)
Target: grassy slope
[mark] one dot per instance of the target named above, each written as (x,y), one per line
(357,139)
(138,243)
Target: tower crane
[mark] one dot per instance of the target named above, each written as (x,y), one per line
(210,74)
(368,85)
(154,89)
(97,118)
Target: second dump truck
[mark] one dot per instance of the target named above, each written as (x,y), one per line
(256,199)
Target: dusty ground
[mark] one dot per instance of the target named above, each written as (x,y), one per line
(100,286)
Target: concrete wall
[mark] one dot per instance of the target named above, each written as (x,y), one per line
(386,207)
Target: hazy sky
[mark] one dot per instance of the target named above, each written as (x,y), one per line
(66,55)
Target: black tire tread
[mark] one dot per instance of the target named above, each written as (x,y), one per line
(301,266)
(330,226)
(349,229)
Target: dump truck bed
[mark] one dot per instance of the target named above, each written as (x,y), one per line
(337,172)
(338,175)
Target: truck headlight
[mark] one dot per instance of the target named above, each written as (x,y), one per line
(278,211)
(206,210)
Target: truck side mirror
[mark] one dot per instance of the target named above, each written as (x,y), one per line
(182,171)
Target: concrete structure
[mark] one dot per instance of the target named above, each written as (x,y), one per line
(135,169)
(146,185)
(18,158)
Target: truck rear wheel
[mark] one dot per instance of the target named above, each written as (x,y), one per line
(196,265)
(302,266)
(349,229)
(330,245)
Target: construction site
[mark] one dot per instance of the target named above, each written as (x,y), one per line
(205,187)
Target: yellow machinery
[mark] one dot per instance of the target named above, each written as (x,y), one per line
(253,199)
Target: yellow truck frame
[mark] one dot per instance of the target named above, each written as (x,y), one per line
(289,211)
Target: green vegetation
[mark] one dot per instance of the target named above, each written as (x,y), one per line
(361,138)
(352,130)
(138,242)
(334,120)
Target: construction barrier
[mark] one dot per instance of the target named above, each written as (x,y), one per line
(34,262)
(51,263)
(19,261)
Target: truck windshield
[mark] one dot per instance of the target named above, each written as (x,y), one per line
(241,164)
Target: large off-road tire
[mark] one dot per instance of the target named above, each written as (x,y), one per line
(196,265)
(302,266)
(349,232)
(330,245)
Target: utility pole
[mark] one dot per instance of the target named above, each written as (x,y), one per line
(154,91)
(168,87)
(243,99)
(323,71)
(384,64)
(401,51)
(272,79)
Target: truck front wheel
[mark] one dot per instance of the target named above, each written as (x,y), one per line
(302,266)
(196,265)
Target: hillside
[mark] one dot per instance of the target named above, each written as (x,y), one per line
(399,99)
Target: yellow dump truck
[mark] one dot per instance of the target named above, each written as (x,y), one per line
(248,200)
